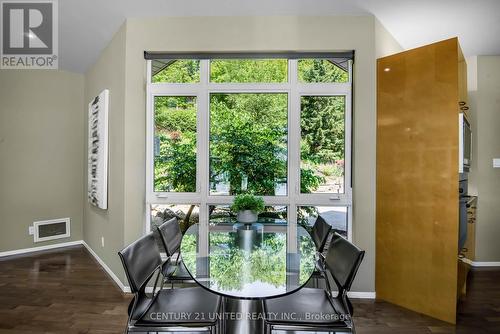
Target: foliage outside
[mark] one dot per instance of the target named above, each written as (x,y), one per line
(248,149)
(249,70)
(179,71)
(175,166)
(320,70)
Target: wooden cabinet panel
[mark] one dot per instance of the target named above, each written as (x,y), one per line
(417,179)
(463,271)
(462,79)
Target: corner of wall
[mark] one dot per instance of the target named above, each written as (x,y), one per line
(103,229)
(385,43)
(484,103)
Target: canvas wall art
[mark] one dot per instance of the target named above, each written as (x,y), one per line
(98,150)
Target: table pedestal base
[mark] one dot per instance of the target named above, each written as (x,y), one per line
(243,316)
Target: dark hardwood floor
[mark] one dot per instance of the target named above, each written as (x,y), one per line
(59,291)
(66,291)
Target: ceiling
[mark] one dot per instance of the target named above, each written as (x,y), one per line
(86,27)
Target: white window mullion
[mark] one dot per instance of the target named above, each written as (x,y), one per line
(174,89)
(150,136)
(203,136)
(322,200)
(293,155)
(268,200)
(348,150)
(248,87)
(149,148)
(324,88)
(348,145)
(293,138)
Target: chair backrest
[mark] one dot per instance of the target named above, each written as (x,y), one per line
(320,231)
(171,235)
(140,260)
(342,261)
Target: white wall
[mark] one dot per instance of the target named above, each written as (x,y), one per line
(41,153)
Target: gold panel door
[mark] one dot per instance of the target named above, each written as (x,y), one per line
(417,179)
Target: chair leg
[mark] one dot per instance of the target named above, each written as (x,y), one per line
(222,320)
(218,325)
(269,328)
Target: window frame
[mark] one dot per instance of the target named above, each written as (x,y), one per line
(294,90)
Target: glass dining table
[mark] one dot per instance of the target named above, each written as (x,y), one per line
(247,263)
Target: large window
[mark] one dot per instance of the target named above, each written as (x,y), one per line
(279,128)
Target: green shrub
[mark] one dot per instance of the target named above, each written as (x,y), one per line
(248,202)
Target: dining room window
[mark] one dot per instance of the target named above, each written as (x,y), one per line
(274,125)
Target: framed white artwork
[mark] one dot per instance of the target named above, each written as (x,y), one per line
(98,150)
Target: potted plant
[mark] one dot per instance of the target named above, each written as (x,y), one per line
(247,207)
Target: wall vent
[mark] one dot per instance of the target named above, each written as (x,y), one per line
(51,229)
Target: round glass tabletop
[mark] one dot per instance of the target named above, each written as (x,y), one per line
(249,261)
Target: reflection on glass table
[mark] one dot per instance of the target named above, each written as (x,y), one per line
(249,262)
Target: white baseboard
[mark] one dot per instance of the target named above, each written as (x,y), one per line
(106,268)
(485,264)
(362,295)
(41,248)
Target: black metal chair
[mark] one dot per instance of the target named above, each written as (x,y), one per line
(320,232)
(317,309)
(173,270)
(166,310)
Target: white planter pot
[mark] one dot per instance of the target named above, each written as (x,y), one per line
(246,216)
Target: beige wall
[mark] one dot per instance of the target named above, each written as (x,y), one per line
(41,153)
(257,34)
(486,179)
(109,73)
(385,44)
